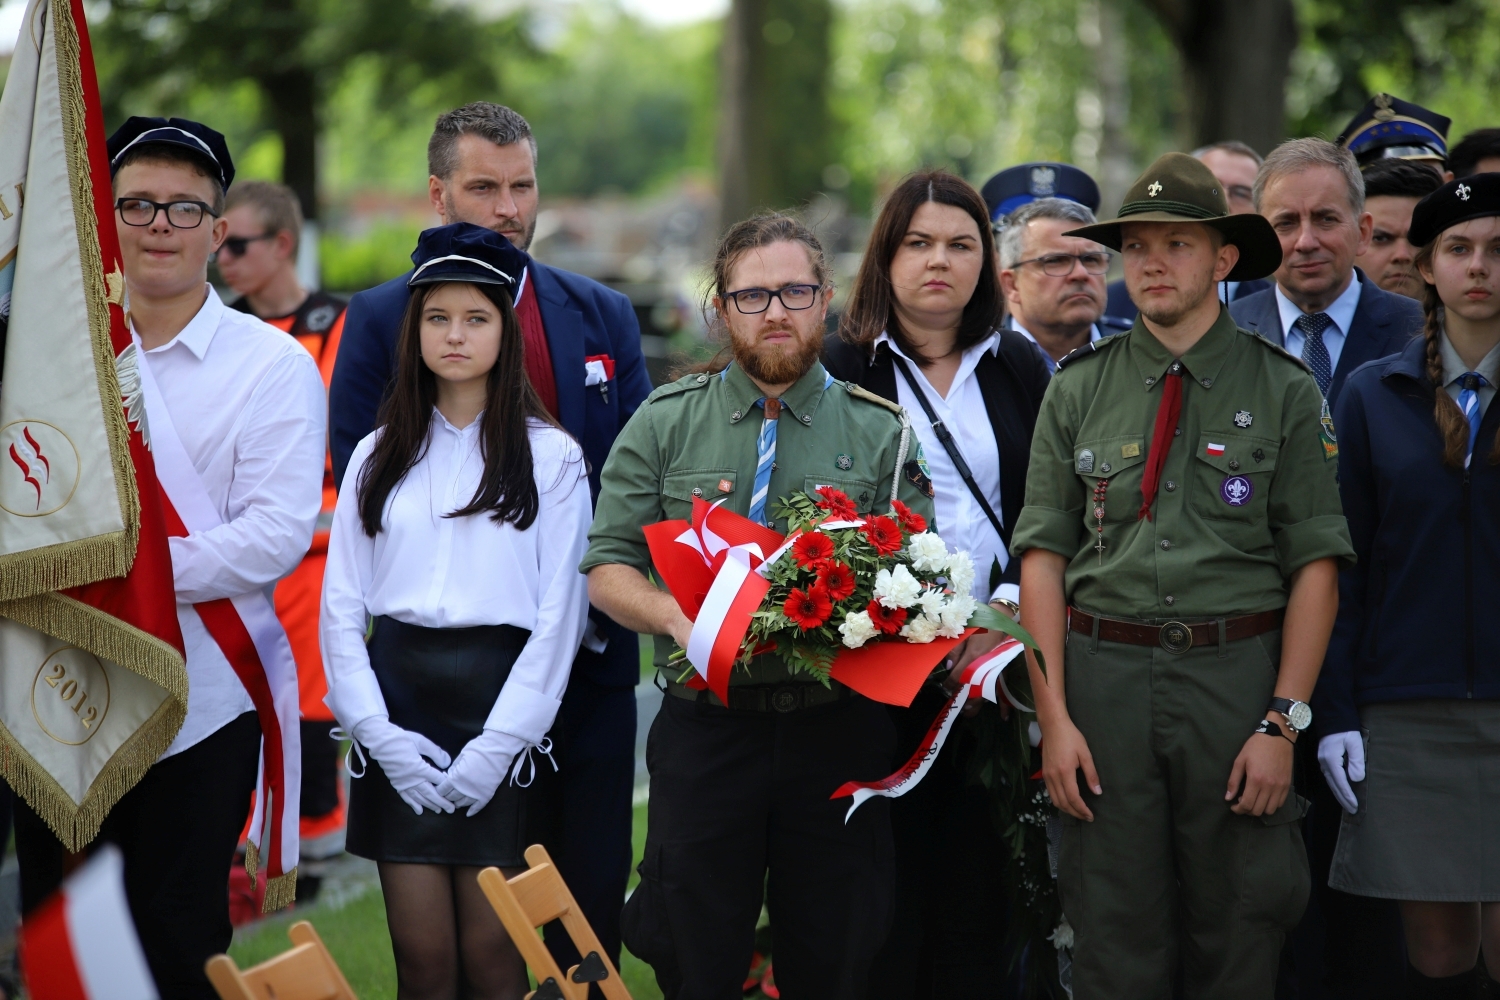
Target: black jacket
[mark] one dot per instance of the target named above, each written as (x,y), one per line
(1012,382)
(1415,613)
(1383,325)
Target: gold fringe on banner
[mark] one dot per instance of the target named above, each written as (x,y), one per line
(281,891)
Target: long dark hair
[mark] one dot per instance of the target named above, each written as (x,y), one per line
(507,490)
(872,303)
(1451,422)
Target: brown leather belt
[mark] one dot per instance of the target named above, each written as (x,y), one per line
(1175,636)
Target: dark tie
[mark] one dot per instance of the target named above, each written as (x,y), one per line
(1314,351)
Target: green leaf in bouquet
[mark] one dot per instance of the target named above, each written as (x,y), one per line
(987,617)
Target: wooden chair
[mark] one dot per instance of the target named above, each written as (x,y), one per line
(539,896)
(306,972)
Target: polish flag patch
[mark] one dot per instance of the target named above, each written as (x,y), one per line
(1214,450)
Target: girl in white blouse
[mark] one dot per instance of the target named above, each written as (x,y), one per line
(459,530)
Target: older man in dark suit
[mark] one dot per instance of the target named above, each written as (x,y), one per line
(583,353)
(1327,312)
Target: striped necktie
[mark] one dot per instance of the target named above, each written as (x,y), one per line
(1468,402)
(1314,351)
(765,458)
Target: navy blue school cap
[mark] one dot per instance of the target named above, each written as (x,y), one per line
(1460,200)
(195,137)
(1015,186)
(463,251)
(1388,127)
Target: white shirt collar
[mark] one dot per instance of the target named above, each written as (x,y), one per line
(199,333)
(1094,333)
(1341,311)
(971,354)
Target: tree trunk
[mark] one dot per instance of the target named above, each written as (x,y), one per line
(1235,59)
(294,115)
(774,138)
(1117,167)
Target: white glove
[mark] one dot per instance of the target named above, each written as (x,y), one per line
(481,765)
(399,753)
(1332,752)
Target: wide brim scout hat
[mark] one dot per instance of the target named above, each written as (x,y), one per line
(1016,186)
(203,142)
(1388,127)
(469,253)
(1459,200)
(1178,188)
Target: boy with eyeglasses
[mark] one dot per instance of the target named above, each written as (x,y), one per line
(236,419)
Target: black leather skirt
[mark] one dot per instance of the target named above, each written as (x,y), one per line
(442,683)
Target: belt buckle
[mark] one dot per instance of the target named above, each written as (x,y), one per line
(784,699)
(1175,637)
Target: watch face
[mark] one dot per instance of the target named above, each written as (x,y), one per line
(1300,716)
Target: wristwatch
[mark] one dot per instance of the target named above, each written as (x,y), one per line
(1269,728)
(1298,714)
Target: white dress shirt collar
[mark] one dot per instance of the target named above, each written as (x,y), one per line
(198,335)
(1341,311)
(1094,335)
(971,354)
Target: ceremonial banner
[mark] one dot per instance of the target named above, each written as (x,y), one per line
(93,686)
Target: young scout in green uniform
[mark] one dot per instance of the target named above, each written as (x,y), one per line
(741,789)
(1180,541)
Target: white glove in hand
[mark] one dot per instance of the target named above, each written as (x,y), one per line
(399,753)
(1333,750)
(481,765)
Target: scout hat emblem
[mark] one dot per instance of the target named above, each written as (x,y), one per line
(1154,189)
(1043,180)
(1463,191)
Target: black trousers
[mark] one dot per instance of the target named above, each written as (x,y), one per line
(735,794)
(178,829)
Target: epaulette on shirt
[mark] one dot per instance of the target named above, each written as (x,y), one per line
(1276,348)
(1086,350)
(860,392)
(683,384)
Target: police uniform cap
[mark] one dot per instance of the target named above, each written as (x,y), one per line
(1015,186)
(207,145)
(1390,127)
(1460,200)
(466,252)
(1179,188)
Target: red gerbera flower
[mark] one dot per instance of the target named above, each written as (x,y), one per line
(910,519)
(888,620)
(808,608)
(882,533)
(837,579)
(837,503)
(812,548)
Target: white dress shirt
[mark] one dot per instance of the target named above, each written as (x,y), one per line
(960,520)
(1341,312)
(453,572)
(1094,335)
(249,406)
(1454,369)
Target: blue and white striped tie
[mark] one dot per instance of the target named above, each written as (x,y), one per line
(765,458)
(1468,402)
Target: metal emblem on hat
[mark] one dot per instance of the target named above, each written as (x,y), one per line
(1086,461)
(1243,419)
(1463,191)
(1236,491)
(1043,182)
(1154,189)
(1383,112)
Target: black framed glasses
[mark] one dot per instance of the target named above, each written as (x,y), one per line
(234,246)
(752,301)
(180,214)
(1060,265)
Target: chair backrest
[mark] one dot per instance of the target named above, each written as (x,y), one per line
(539,896)
(305,972)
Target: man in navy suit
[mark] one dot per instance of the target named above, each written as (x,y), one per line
(583,353)
(1328,313)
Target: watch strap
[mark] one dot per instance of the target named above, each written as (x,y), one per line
(1286,707)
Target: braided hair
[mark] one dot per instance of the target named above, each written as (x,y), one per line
(1451,422)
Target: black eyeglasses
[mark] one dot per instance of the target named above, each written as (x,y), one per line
(1060,265)
(236,245)
(181,214)
(752,301)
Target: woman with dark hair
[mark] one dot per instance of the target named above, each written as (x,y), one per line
(1410,688)
(459,530)
(922,328)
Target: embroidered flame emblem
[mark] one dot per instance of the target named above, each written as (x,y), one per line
(39,464)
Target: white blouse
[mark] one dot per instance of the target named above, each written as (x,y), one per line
(453,572)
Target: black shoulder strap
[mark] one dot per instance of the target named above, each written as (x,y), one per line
(945,437)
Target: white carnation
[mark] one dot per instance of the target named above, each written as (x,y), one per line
(1062,936)
(960,570)
(927,552)
(920,629)
(931,601)
(857,629)
(955,615)
(897,588)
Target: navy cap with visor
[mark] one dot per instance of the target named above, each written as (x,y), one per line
(462,251)
(195,137)
(1015,186)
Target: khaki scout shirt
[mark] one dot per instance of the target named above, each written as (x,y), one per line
(697,437)
(1247,495)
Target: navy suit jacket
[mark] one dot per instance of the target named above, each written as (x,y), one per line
(1118,306)
(1383,325)
(583,318)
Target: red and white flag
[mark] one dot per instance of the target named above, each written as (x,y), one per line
(81,944)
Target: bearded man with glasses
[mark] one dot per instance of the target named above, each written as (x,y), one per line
(1053,284)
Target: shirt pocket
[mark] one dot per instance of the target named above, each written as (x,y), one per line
(1231,476)
(679,489)
(1119,462)
(862,492)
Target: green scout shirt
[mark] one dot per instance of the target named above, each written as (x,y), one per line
(697,437)
(1209,550)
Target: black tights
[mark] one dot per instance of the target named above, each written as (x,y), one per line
(447,939)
